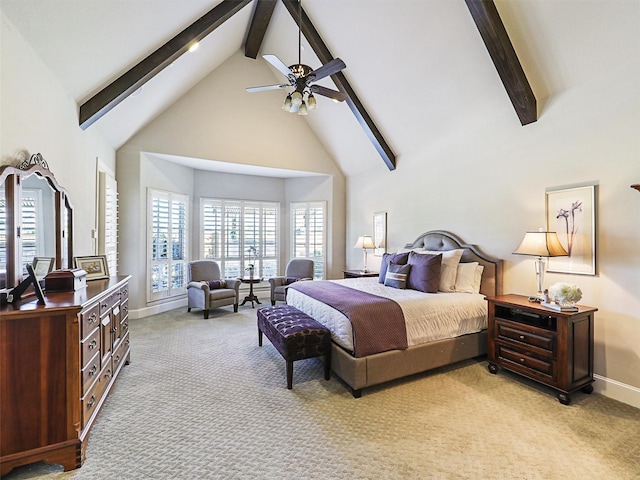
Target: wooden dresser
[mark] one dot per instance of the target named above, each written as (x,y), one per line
(58,363)
(551,347)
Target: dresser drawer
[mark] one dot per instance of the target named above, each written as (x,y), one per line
(109,301)
(123,293)
(89,319)
(90,346)
(124,320)
(518,360)
(90,372)
(537,337)
(121,352)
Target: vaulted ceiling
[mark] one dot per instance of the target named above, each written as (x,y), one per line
(414,65)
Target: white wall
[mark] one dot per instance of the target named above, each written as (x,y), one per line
(487,184)
(38,115)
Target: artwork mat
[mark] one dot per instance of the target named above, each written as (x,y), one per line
(380,233)
(96,266)
(583,255)
(42,266)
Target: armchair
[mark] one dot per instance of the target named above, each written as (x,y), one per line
(297,269)
(207,289)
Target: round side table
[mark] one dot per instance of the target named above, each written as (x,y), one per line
(251,297)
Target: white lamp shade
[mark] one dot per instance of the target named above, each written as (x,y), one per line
(541,244)
(365,241)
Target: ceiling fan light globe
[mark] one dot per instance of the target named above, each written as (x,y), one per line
(302,110)
(296,99)
(311,101)
(287,103)
(294,108)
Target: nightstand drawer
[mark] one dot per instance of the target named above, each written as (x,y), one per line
(537,338)
(523,359)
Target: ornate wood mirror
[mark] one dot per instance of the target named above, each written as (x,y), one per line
(36,220)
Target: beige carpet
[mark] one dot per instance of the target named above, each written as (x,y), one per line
(201,400)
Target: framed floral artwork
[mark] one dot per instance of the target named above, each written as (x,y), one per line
(95,266)
(380,233)
(571,213)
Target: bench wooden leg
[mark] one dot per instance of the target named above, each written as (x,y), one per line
(289,374)
(259,337)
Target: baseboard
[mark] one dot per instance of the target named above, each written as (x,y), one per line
(158,308)
(617,390)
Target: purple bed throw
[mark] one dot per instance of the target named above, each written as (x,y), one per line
(377,322)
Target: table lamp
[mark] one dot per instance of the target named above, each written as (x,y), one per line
(540,244)
(364,242)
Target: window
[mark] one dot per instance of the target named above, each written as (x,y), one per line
(229,228)
(108,220)
(308,231)
(168,240)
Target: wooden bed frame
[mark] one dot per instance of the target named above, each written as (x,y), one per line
(363,372)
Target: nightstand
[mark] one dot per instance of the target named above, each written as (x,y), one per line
(553,348)
(359,273)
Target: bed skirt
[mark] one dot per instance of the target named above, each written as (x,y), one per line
(363,372)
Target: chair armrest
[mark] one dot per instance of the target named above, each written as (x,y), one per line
(199,286)
(277,281)
(233,283)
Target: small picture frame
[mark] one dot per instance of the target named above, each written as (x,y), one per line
(42,266)
(95,266)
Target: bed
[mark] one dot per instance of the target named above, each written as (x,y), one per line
(422,352)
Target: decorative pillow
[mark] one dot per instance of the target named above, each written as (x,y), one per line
(397,258)
(217,284)
(449,268)
(469,277)
(425,272)
(396,275)
(290,280)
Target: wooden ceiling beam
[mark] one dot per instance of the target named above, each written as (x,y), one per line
(118,90)
(259,23)
(356,106)
(495,37)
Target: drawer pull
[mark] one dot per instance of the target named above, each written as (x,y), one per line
(93,370)
(521,337)
(522,360)
(93,344)
(93,318)
(107,374)
(91,402)
(116,360)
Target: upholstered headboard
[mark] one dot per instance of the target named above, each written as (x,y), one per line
(442,241)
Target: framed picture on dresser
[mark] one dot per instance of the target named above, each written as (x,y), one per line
(95,266)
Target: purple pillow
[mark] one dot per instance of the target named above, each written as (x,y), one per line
(217,284)
(425,272)
(290,280)
(397,258)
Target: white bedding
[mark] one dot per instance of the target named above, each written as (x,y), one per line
(428,316)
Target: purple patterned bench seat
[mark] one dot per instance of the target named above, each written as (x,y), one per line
(295,335)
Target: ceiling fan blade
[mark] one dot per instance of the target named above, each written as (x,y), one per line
(327,92)
(267,87)
(280,66)
(327,69)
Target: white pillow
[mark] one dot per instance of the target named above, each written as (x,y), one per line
(469,277)
(449,267)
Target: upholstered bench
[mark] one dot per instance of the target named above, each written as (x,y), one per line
(295,335)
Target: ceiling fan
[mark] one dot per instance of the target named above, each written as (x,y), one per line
(301,78)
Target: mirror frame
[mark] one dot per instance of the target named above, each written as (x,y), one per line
(12,177)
